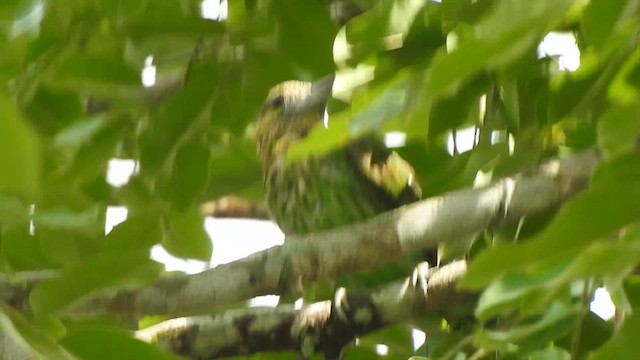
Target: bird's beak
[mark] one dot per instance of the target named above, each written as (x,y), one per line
(315,102)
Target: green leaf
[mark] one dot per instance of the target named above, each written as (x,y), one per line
(300,23)
(361,353)
(513,27)
(615,188)
(13,211)
(463,11)
(19,153)
(512,289)
(68,224)
(553,324)
(322,140)
(436,170)
(632,290)
(619,129)
(554,353)
(398,338)
(373,107)
(402,15)
(180,116)
(361,36)
(483,158)
(277,355)
(82,222)
(154,22)
(95,71)
(80,132)
(625,87)
(451,112)
(370,110)
(602,19)
(101,342)
(387,27)
(235,169)
(594,332)
(237,102)
(14,324)
(141,230)
(90,149)
(22,250)
(190,173)
(105,271)
(52,109)
(508,292)
(583,92)
(24,22)
(624,344)
(186,235)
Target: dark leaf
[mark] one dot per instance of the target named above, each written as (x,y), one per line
(180,116)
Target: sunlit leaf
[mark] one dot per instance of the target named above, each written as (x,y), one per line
(19,153)
(80,132)
(373,107)
(513,27)
(322,140)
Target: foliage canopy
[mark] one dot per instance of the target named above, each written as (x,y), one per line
(72,98)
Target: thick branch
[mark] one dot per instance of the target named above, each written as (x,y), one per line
(355,248)
(325,327)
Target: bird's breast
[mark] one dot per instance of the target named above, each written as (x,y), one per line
(319,193)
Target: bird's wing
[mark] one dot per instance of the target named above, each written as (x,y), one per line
(391,175)
(386,170)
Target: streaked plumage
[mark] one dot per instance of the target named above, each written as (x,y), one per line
(348,185)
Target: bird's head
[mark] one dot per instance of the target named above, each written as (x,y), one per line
(291,110)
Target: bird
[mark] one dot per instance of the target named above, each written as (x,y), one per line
(316,192)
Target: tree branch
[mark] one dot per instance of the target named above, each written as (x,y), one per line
(364,246)
(324,327)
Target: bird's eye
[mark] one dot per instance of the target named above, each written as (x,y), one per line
(277,103)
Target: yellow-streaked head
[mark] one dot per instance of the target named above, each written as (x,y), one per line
(284,120)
